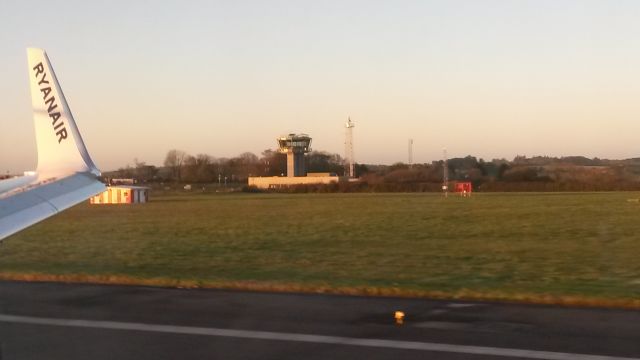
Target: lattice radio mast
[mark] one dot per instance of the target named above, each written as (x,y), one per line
(349,165)
(445,173)
(410,153)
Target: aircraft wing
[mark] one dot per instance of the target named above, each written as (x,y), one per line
(66,174)
(34,203)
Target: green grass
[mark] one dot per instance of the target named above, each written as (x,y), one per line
(505,246)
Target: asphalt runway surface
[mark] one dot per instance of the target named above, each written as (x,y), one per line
(64,321)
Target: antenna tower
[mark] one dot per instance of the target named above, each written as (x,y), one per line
(410,153)
(349,164)
(445,174)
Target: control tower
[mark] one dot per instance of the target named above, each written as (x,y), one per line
(295,146)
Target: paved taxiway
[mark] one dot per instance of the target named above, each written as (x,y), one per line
(60,321)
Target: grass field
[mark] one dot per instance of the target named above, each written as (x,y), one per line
(552,248)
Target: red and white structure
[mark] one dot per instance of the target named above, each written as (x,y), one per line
(464,188)
(122,195)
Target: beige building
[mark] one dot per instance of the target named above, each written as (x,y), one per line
(274,182)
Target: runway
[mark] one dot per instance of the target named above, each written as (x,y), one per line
(62,321)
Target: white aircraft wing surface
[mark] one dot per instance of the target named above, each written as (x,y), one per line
(37,202)
(66,175)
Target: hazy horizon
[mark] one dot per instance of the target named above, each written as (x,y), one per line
(491,79)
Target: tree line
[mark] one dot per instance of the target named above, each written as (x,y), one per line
(538,173)
(181,167)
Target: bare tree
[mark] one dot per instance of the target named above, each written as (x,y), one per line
(189,169)
(205,171)
(175,161)
(273,163)
(144,172)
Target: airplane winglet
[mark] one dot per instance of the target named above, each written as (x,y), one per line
(61,151)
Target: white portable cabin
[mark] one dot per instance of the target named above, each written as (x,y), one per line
(122,195)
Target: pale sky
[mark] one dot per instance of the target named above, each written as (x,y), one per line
(493,79)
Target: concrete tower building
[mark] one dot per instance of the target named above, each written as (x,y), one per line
(295,146)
